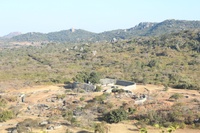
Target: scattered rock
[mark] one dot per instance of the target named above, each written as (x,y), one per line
(94,53)
(48,100)
(56,126)
(75,47)
(81,49)
(14,131)
(29,107)
(50,127)
(44,123)
(43,106)
(114,40)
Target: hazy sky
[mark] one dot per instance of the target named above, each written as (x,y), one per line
(92,15)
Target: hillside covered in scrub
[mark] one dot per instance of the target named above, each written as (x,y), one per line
(171,59)
(79,35)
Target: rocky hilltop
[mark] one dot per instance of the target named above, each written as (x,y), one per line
(12,34)
(79,35)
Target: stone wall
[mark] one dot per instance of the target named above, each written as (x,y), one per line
(128,85)
(141,101)
(108,81)
(84,86)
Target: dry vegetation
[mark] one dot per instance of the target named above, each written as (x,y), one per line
(44,109)
(158,64)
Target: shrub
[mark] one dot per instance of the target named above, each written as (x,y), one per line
(68,131)
(109,105)
(102,109)
(98,89)
(3,102)
(152,63)
(15,110)
(101,98)
(82,77)
(143,130)
(101,128)
(176,96)
(61,96)
(68,115)
(195,100)
(167,124)
(182,125)
(144,80)
(116,116)
(67,91)
(166,88)
(131,110)
(82,98)
(6,115)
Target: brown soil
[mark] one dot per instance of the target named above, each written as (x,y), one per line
(37,94)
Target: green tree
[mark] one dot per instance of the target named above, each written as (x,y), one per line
(94,77)
(82,77)
(86,77)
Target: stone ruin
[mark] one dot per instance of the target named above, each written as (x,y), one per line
(140,99)
(84,86)
(127,85)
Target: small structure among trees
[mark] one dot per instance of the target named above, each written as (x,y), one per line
(86,77)
(127,85)
(86,81)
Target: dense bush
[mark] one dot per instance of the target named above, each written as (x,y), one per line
(176,96)
(116,116)
(171,59)
(87,77)
(177,116)
(6,115)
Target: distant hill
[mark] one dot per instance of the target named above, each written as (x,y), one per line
(172,26)
(142,29)
(77,35)
(61,36)
(12,34)
(31,36)
(157,29)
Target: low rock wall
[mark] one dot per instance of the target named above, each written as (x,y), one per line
(128,85)
(84,86)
